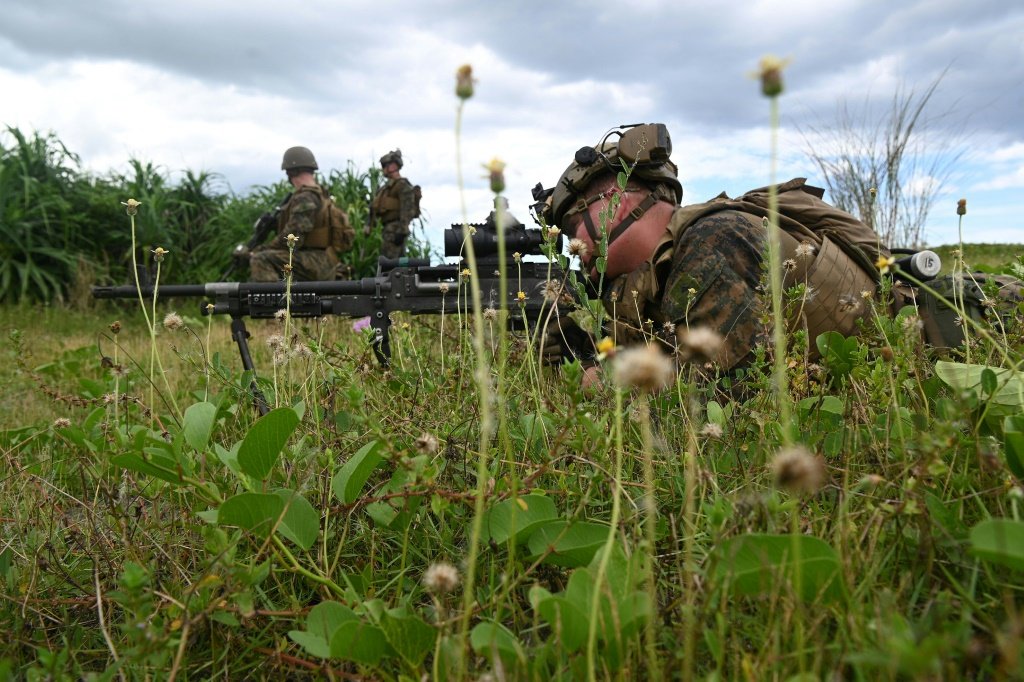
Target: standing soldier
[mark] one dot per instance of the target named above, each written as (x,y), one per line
(321,230)
(395,205)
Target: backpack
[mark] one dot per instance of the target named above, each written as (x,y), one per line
(341,236)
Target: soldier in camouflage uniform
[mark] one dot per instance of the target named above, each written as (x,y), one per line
(312,259)
(671,269)
(394,206)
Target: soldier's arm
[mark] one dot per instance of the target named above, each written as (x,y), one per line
(714,280)
(304,208)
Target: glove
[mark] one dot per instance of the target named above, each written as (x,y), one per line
(565,341)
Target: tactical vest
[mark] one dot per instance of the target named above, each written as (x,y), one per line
(842,265)
(387,204)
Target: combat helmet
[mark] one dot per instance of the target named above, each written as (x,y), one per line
(298,158)
(644,148)
(392,157)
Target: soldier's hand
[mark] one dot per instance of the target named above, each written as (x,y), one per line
(565,341)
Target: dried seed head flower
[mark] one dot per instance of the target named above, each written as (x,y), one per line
(701,343)
(711,430)
(770,74)
(286,269)
(789,264)
(866,294)
(553,233)
(303,351)
(441,578)
(873,192)
(292,240)
(61,423)
(427,443)
(275,342)
(517,257)
(668,327)
(490,314)
(912,323)
(805,250)
(173,321)
(643,367)
(848,303)
(961,207)
(496,174)
(281,314)
(115,327)
(578,247)
(443,288)
(159,253)
(796,469)
(464,82)
(551,290)
(131,206)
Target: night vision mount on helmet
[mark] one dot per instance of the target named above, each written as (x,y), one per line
(392,157)
(641,149)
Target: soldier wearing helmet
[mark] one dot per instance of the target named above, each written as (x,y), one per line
(671,269)
(320,229)
(395,205)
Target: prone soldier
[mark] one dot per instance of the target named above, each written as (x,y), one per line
(671,269)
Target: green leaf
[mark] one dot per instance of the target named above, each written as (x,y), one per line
(350,479)
(410,636)
(1008,396)
(1013,443)
(359,642)
(489,637)
(321,623)
(716,415)
(157,466)
(999,541)
(570,544)
(265,440)
(198,426)
(301,523)
(313,645)
(755,564)
(515,519)
(569,624)
(256,512)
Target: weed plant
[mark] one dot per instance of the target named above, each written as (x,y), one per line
(466,513)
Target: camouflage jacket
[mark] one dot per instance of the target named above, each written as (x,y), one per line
(707,272)
(395,202)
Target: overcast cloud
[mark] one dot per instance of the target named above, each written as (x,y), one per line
(227,86)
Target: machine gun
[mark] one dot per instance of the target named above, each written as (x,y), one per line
(403,284)
(261,229)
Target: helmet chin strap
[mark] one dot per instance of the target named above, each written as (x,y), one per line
(634,215)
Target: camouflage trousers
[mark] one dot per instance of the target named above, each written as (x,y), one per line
(392,242)
(308,265)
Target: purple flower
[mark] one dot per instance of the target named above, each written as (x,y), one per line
(361,324)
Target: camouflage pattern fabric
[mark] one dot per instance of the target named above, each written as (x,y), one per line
(298,217)
(308,265)
(395,206)
(707,273)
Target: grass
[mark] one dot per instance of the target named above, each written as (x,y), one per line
(895,590)
(984,256)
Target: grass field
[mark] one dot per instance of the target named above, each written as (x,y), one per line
(393,524)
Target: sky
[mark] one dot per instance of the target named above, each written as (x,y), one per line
(227,86)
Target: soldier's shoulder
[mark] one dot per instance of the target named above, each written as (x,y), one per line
(307,195)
